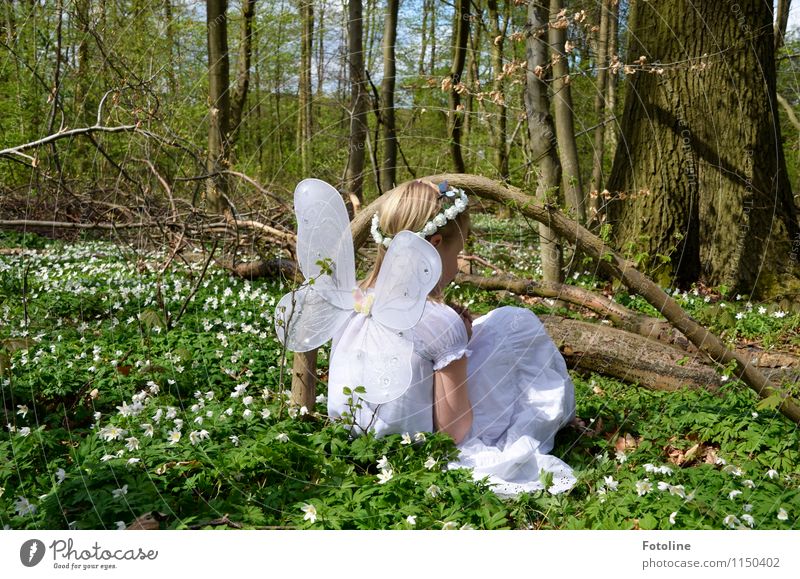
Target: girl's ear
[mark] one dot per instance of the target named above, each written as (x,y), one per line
(436,239)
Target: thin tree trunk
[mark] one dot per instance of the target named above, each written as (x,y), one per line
(169,23)
(354,176)
(321,50)
(10,26)
(565,124)
(499,130)
(455,120)
(304,89)
(473,78)
(389,170)
(612,81)
(432,39)
(543,145)
(781,21)
(219,100)
(243,69)
(426,9)
(601,65)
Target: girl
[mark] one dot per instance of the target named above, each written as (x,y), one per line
(497,385)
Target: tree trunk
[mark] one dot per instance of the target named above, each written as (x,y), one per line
(499,130)
(542,135)
(169,29)
(455,120)
(781,21)
(354,176)
(701,150)
(432,39)
(427,7)
(389,170)
(243,69)
(601,66)
(304,89)
(565,124)
(612,80)
(321,51)
(219,101)
(473,78)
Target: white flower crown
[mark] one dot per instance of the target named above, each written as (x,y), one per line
(460,203)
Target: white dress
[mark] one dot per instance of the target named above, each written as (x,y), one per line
(519,388)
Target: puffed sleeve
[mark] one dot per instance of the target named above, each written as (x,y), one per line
(440,335)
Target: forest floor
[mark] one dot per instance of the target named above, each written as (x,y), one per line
(131,393)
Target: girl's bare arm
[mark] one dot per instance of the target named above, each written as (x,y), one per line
(452,411)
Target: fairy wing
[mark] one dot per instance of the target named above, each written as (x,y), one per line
(379,356)
(307,318)
(410,270)
(323,234)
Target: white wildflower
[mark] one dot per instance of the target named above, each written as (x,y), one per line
(310,512)
(265,413)
(749,520)
(643,487)
(195,436)
(385,476)
(730,521)
(434,491)
(234,439)
(419,437)
(132,443)
(383,462)
(782,515)
(23,507)
(411,520)
(733,494)
(672,518)
(148,430)
(406,438)
(61,474)
(282,437)
(772,473)
(109,433)
(748,483)
(121,492)
(611,483)
(22,409)
(24,431)
(174,436)
(430,463)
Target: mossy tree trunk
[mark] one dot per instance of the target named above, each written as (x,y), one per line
(699,174)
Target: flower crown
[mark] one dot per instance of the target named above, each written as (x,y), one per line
(459,204)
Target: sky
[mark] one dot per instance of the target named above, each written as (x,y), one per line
(794,16)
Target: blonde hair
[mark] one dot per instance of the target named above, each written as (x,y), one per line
(409,207)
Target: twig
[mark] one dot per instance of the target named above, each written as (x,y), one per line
(171,324)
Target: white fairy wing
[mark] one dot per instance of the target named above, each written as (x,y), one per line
(305,319)
(379,360)
(323,233)
(379,356)
(410,270)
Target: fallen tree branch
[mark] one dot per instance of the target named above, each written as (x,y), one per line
(628,357)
